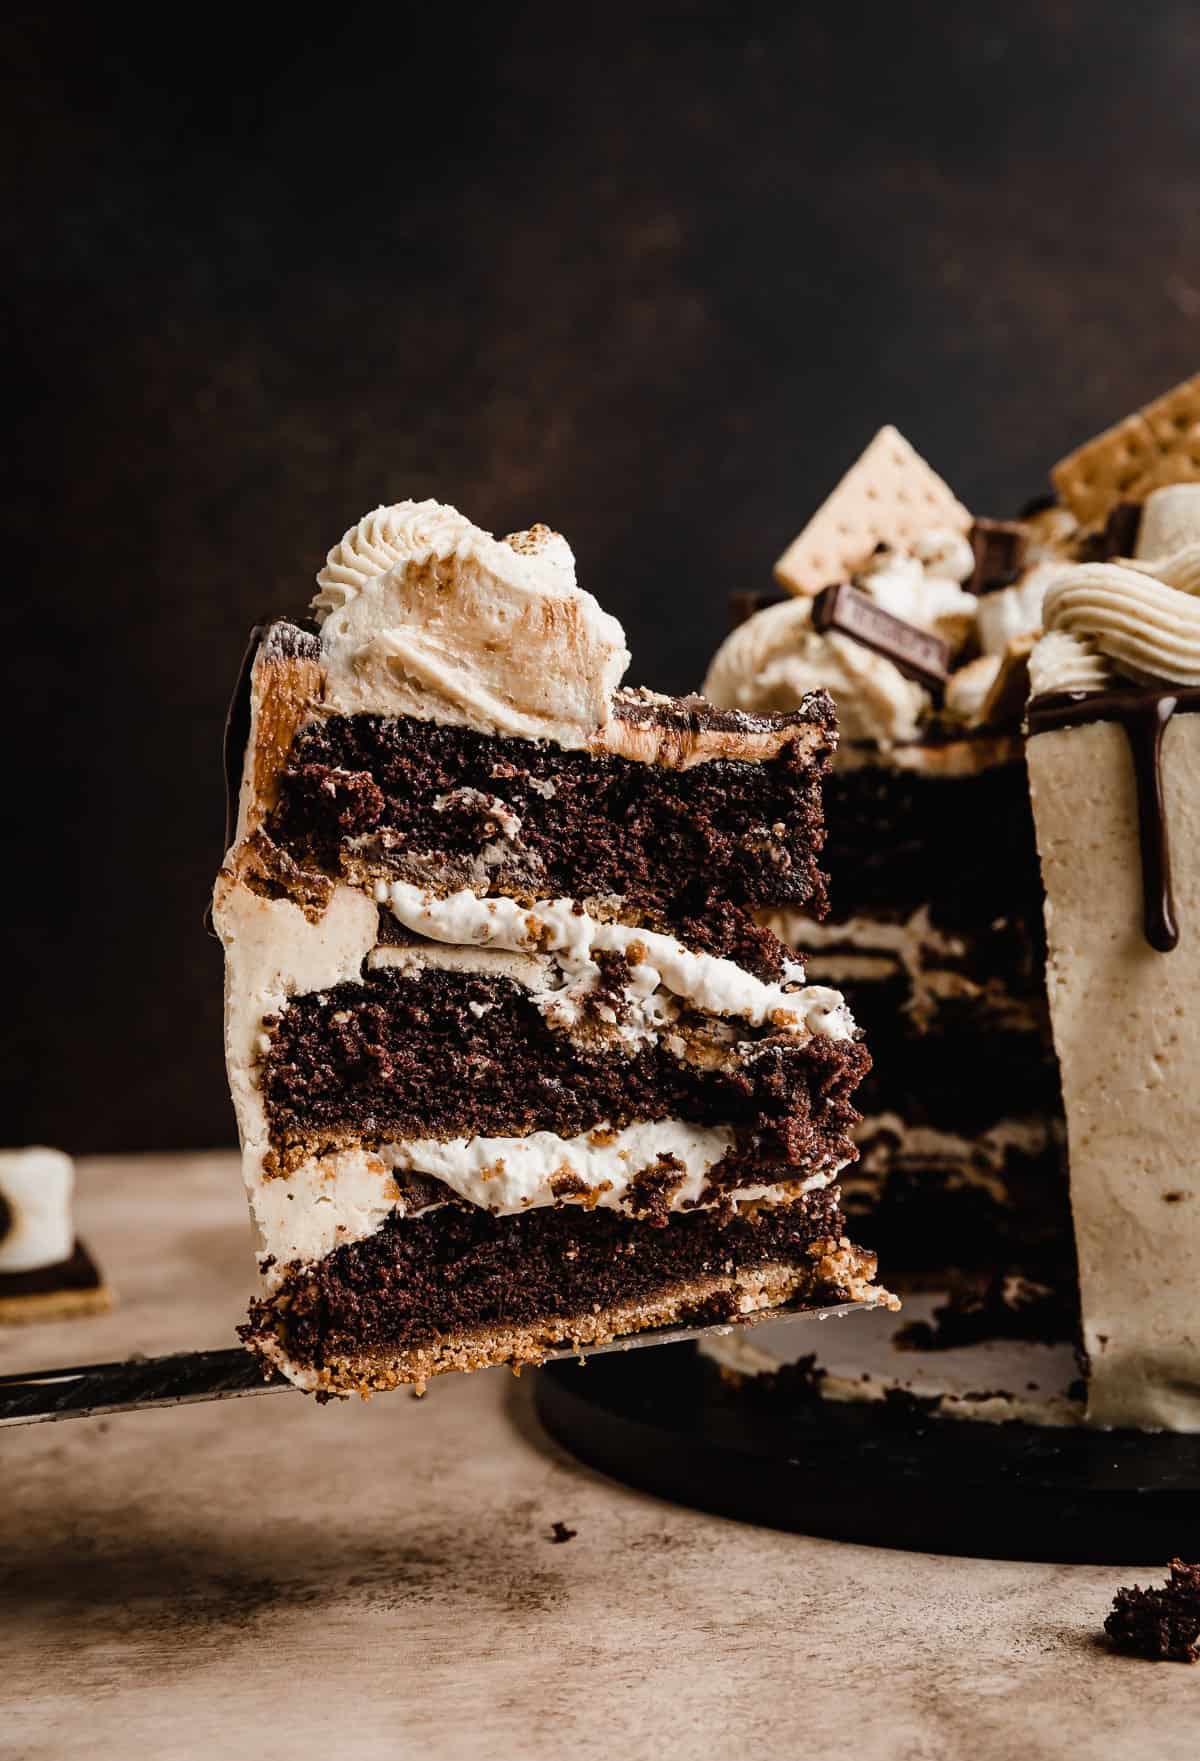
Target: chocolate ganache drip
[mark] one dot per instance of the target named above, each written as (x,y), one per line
(1122,644)
(1144,715)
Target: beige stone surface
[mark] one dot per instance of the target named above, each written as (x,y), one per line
(267,1577)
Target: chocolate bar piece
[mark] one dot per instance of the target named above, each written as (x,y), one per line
(1006,700)
(743,605)
(847,611)
(999,547)
(1117,537)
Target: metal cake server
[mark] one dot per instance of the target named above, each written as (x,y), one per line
(81,1391)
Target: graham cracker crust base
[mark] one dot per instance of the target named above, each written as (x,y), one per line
(839,1273)
(55,1305)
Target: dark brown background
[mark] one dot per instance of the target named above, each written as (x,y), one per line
(652,274)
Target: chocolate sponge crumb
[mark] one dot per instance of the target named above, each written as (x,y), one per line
(1160,1624)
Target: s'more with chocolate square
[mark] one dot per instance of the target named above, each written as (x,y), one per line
(46,1273)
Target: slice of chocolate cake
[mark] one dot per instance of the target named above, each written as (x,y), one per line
(936,934)
(515,1064)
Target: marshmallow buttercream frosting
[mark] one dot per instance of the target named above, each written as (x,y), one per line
(424,614)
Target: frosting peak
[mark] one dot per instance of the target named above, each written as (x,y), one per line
(424,614)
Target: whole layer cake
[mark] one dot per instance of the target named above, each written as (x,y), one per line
(1099,605)
(918,619)
(515,1062)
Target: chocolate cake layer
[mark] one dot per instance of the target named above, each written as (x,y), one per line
(419,801)
(962,845)
(939,949)
(978,1204)
(938,888)
(976,1062)
(458,1055)
(459,1269)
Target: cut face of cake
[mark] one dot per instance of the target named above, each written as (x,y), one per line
(1114,764)
(514,1064)
(936,935)
(46,1273)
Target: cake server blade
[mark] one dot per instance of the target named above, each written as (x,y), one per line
(181,1378)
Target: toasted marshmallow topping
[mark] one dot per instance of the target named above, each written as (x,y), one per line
(424,614)
(772,660)
(1012,613)
(924,587)
(1170,520)
(967,689)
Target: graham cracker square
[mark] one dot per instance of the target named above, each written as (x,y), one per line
(889,496)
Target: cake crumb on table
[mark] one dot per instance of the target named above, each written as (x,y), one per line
(1160,1624)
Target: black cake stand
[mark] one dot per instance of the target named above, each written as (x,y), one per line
(882,1473)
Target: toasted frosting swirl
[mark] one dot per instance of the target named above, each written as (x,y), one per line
(416,531)
(773,660)
(776,657)
(424,614)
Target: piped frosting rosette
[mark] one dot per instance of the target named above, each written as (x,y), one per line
(424,614)
(1136,621)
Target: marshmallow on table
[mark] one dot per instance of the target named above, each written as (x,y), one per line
(36,1223)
